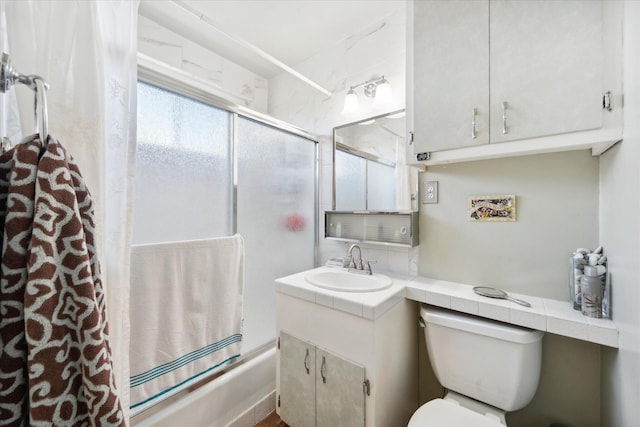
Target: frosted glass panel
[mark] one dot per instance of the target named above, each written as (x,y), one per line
(351,182)
(183,169)
(381,186)
(276,217)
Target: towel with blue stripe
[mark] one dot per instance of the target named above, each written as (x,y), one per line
(186,314)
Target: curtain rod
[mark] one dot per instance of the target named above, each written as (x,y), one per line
(249,46)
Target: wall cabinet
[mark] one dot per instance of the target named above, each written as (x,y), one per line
(319,388)
(494,71)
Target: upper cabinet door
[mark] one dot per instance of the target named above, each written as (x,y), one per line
(546,67)
(450,74)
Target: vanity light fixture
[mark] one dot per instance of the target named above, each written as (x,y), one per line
(379,89)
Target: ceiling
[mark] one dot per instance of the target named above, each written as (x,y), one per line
(288,30)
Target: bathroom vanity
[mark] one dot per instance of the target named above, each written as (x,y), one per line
(345,355)
(369,342)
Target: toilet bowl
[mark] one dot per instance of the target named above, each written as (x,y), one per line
(449,413)
(488,368)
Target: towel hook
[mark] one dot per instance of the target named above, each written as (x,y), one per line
(9,76)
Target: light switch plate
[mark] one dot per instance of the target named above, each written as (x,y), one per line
(430,192)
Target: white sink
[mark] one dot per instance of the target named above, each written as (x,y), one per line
(341,280)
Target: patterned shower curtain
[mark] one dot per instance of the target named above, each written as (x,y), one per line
(55,359)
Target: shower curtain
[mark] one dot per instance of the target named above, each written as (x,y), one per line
(86,50)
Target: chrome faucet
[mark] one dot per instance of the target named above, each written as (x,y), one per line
(353,264)
(356,264)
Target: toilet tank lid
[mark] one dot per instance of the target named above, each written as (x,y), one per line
(479,325)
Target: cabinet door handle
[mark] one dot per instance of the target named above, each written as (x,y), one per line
(473,124)
(606,101)
(505,129)
(323,370)
(306,361)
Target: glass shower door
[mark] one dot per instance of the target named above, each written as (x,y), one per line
(184,191)
(276,211)
(183,169)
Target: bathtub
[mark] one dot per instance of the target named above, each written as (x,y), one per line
(242,396)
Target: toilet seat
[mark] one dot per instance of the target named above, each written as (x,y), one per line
(446,413)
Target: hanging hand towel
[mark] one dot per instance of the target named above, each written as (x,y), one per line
(186,313)
(55,362)
(71,379)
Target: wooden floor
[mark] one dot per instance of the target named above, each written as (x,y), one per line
(273,420)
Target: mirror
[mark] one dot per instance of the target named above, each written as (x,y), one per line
(369,166)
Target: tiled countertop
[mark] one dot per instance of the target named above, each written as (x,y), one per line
(545,314)
(549,315)
(369,305)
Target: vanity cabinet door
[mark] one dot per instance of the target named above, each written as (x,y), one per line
(450,74)
(319,388)
(297,381)
(340,399)
(546,65)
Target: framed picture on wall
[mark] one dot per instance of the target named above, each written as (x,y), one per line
(492,208)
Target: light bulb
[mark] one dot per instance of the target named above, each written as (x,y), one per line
(350,102)
(383,92)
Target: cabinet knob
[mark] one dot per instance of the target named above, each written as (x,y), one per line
(505,129)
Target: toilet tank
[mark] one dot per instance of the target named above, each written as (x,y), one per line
(490,361)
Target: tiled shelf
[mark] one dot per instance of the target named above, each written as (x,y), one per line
(549,315)
(545,314)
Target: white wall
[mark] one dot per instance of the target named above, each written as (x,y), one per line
(620,234)
(236,83)
(376,50)
(557,212)
(379,49)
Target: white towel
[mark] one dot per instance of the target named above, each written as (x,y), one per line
(186,313)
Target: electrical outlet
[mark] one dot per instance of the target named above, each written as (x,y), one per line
(430,192)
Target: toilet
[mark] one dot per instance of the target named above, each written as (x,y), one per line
(487,368)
